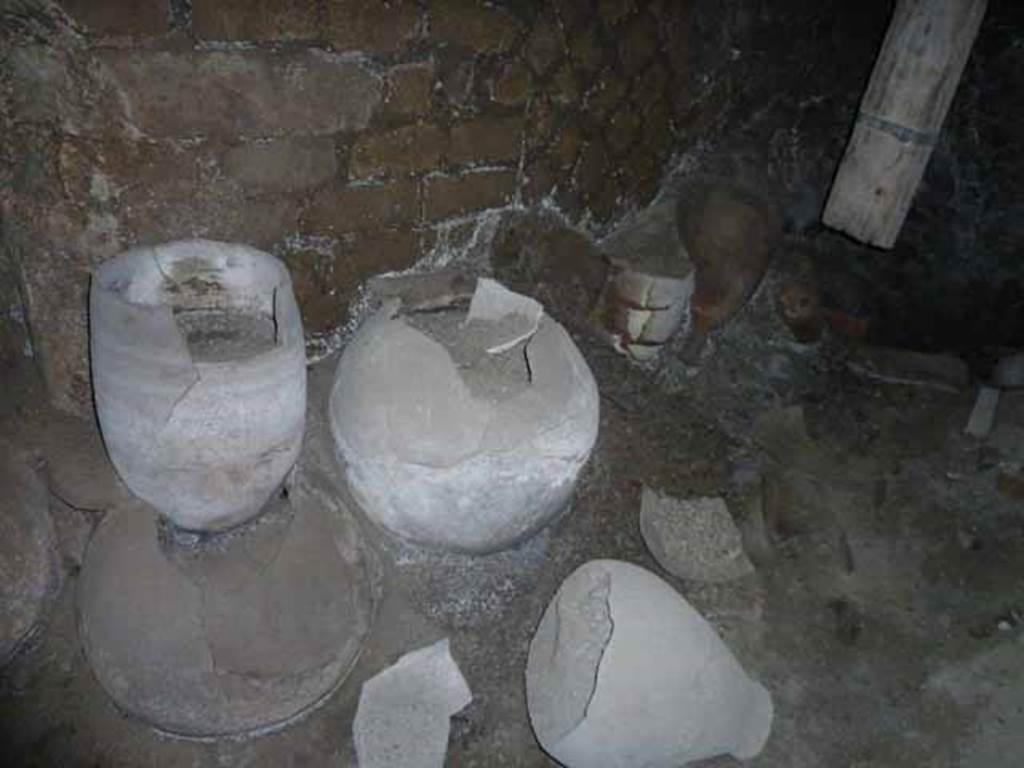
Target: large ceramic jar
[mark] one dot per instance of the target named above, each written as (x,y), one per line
(464,431)
(198,367)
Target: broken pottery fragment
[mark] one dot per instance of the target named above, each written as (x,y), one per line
(622,671)
(29,572)
(198,365)
(424,291)
(693,539)
(651,283)
(225,633)
(983,415)
(402,720)
(510,317)
(464,432)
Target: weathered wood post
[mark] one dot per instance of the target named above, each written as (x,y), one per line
(910,91)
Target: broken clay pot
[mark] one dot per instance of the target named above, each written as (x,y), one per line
(652,282)
(198,366)
(623,671)
(464,431)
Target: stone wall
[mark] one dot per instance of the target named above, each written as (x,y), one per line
(347,136)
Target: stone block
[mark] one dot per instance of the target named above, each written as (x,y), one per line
(254,20)
(326,278)
(566,87)
(218,211)
(362,207)
(473,25)
(512,87)
(545,45)
(614,11)
(165,190)
(543,119)
(135,173)
(410,90)
(487,141)
(539,179)
(282,165)
(586,51)
(242,93)
(364,254)
(607,96)
(43,85)
(411,149)
(371,25)
(448,196)
(120,17)
(639,44)
(640,174)
(56,245)
(566,149)
(574,14)
(595,180)
(624,129)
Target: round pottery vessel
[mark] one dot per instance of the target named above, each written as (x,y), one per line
(198,366)
(464,456)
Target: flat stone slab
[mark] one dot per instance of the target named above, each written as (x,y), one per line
(227,633)
(29,572)
(403,715)
(693,539)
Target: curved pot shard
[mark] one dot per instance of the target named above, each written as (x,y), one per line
(464,431)
(622,671)
(198,366)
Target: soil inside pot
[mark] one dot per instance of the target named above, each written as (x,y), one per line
(217,336)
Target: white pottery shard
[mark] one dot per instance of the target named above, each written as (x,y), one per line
(622,671)
(402,720)
(515,317)
(983,415)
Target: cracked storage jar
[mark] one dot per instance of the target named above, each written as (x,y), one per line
(464,431)
(199,374)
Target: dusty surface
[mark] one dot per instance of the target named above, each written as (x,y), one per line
(883,615)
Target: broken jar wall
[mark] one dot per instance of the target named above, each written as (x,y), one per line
(348,137)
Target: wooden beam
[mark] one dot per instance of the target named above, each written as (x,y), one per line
(916,73)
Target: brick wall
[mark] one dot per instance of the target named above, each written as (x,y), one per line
(346,136)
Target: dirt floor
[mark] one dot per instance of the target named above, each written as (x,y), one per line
(885,613)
